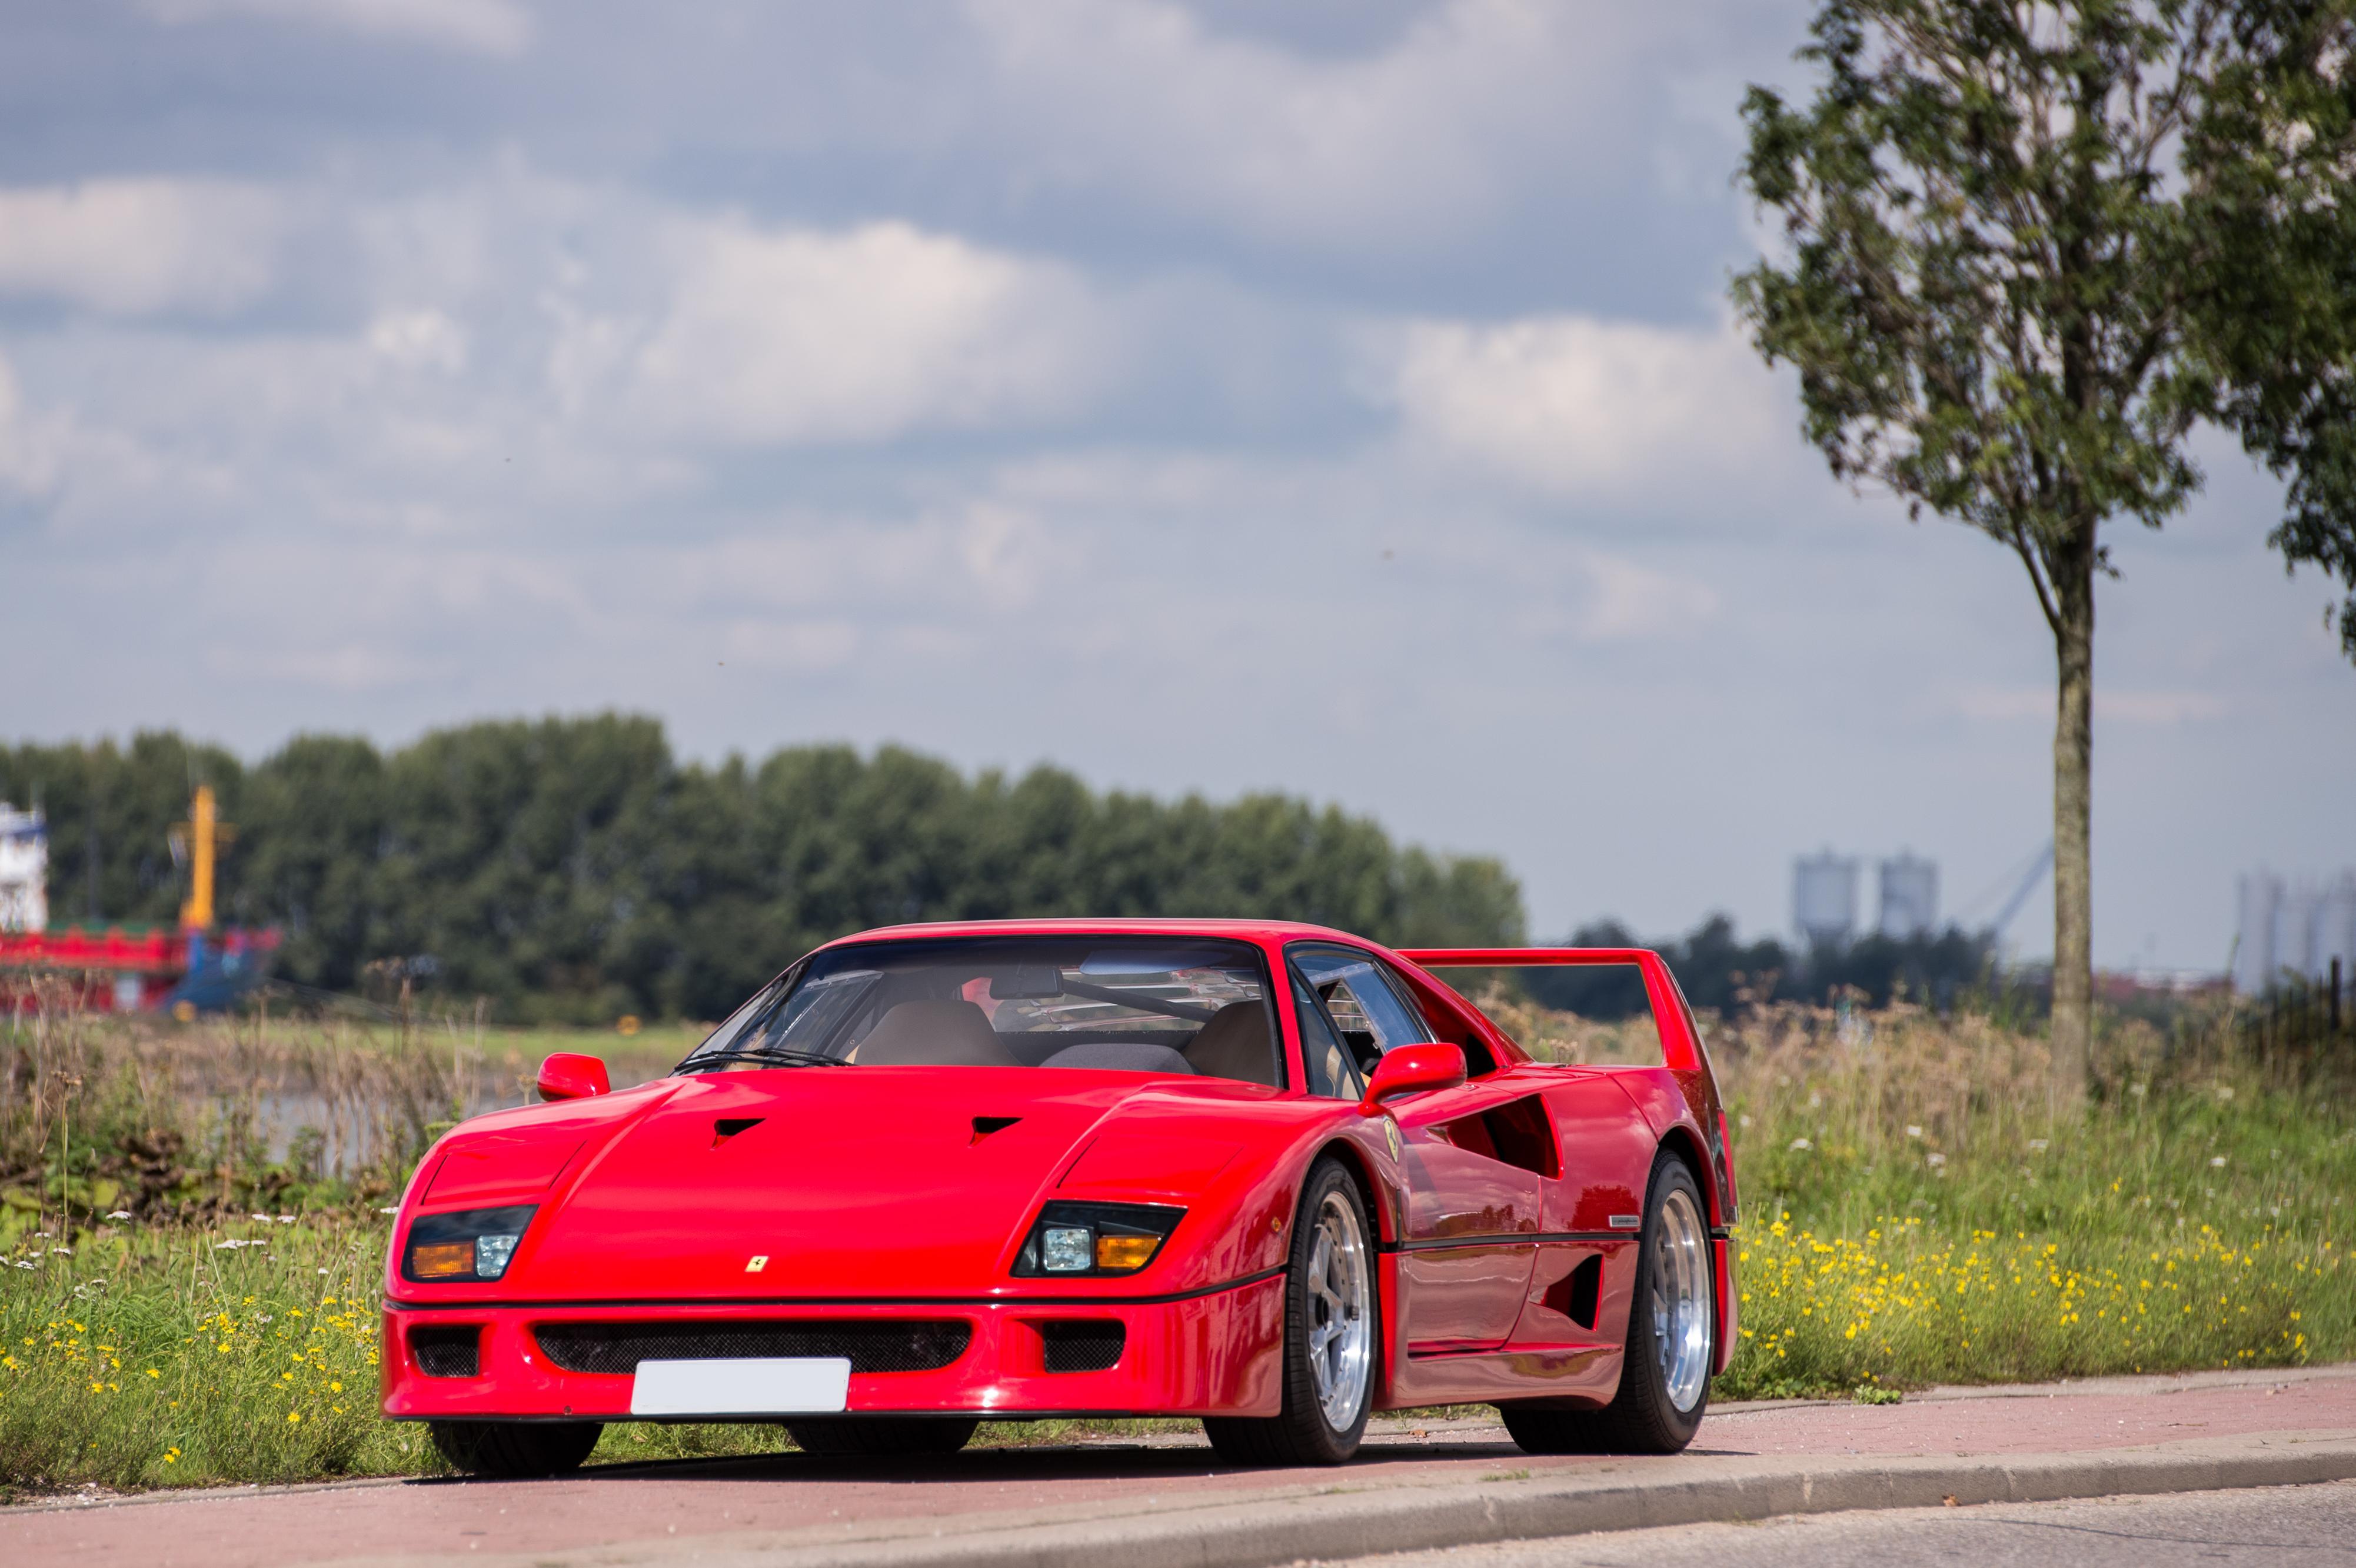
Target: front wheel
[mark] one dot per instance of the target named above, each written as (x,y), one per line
(515,1448)
(882,1436)
(1671,1336)
(1331,1336)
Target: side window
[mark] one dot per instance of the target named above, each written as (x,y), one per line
(1332,1071)
(1371,1014)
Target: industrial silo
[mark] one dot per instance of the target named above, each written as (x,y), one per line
(1910,896)
(2335,930)
(2254,943)
(1824,897)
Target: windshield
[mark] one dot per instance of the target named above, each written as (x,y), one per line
(1122,1004)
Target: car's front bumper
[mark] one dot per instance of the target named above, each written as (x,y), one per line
(1219,1352)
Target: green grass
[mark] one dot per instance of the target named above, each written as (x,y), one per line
(1914,1213)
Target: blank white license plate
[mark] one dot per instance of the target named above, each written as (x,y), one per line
(774,1385)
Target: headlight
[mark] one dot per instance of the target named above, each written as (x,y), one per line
(473,1243)
(1079,1241)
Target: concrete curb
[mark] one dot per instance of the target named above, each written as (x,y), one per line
(1643,1495)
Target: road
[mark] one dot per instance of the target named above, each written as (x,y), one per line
(1420,1482)
(2267,1527)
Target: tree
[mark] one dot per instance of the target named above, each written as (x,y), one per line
(2033,246)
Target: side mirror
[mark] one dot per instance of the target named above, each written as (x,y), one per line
(1413,1070)
(567,1075)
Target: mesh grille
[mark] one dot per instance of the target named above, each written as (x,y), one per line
(447,1352)
(882,1346)
(1083,1347)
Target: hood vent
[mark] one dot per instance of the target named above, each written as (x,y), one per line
(726,1127)
(985,1126)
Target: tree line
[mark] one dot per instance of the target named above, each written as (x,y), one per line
(574,869)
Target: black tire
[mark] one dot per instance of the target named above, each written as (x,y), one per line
(1305,1433)
(515,1448)
(882,1436)
(1644,1416)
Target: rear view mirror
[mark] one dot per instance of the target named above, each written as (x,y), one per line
(569,1076)
(1413,1070)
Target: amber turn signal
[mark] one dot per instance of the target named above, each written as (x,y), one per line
(441,1260)
(1125,1253)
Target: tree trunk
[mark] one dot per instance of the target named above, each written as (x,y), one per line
(2073,748)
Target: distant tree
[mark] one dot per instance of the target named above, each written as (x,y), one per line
(571,869)
(2033,246)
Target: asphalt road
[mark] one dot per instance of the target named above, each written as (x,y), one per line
(2272,1527)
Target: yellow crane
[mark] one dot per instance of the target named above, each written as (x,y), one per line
(198,840)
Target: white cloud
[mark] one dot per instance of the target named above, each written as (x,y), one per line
(800,336)
(420,340)
(133,246)
(479,26)
(28,446)
(1629,600)
(1406,143)
(1578,406)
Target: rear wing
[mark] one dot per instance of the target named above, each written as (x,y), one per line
(1681,1047)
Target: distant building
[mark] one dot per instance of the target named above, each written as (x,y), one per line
(24,870)
(1824,897)
(2286,931)
(2259,902)
(1910,896)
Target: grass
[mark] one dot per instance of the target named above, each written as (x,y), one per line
(187,1280)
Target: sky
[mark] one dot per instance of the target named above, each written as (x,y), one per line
(1337,397)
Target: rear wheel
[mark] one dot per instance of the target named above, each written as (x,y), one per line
(882,1436)
(1331,1336)
(515,1448)
(1672,1335)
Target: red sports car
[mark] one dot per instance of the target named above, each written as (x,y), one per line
(1268,1175)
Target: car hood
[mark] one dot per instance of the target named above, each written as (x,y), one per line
(868,1182)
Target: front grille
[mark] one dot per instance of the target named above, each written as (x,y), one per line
(444,1351)
(1083,1347)
(878,1346)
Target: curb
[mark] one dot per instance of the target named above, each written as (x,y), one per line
(1267,1532)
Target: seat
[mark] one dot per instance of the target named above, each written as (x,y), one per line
(935,1034)
(1120,1056)
(1235,1044)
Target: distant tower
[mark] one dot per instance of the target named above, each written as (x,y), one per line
(2335,930)
(24,870)
(1910,896)
(2295,929)
(2254,947)
(1824,897)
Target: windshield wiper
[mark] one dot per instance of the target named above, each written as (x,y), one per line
(785,1056)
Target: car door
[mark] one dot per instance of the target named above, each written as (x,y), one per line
(1475,1188)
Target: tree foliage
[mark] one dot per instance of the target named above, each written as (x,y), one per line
(574,867)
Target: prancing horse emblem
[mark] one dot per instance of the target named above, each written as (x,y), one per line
(1391,1136)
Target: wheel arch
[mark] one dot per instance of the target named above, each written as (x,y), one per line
(1681,1143)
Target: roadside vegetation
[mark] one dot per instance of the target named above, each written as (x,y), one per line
(191,1225)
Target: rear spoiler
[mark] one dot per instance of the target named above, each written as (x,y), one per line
(1680,1040)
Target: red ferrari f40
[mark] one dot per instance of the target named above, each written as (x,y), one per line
(1267,1175)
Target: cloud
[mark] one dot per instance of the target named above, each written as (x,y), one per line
(1629,600)
(1404,144)
(28,446)
(420,340)
(135,246)
(1574,406)
(799,337)
(478,27)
